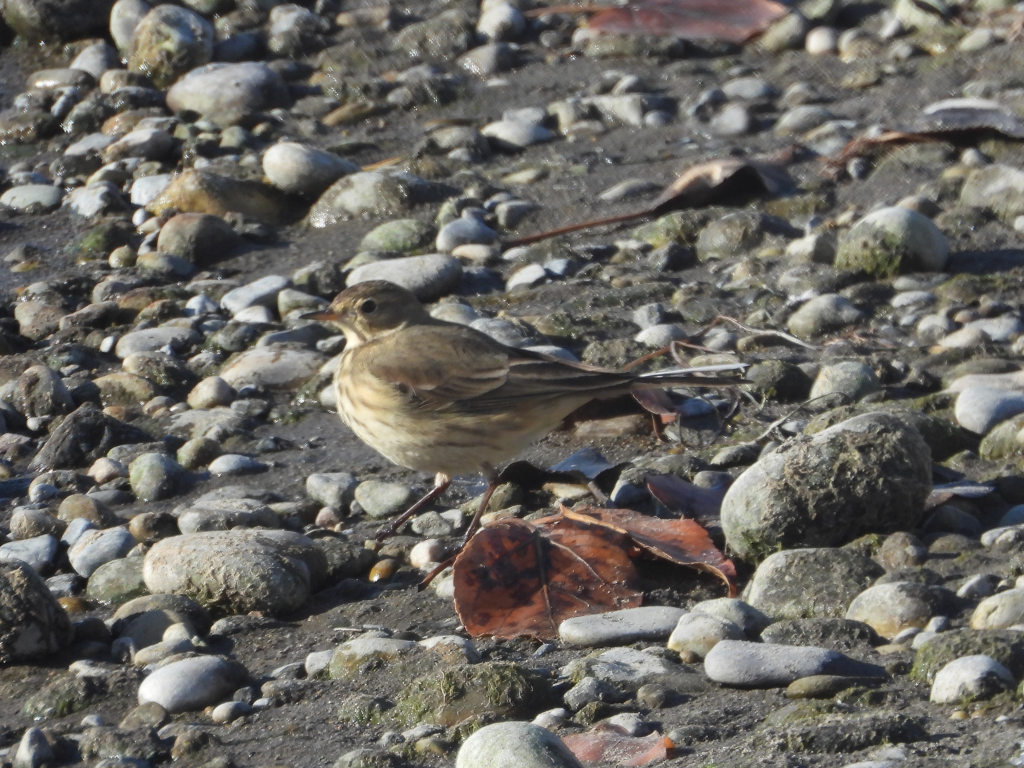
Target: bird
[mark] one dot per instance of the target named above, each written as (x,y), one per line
(447,399)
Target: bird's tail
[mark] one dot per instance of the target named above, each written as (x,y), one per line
(693,377)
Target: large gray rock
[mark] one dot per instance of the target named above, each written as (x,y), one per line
(227,93)
(237,571)
(757,665)
(810,583)
(374,193)
(300,169)
(892,240)
(32,623)
(430,276)
(868,474)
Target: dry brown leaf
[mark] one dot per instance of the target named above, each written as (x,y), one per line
(683,542)
(732,21)
(514,579)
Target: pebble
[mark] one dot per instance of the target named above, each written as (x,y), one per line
(191,684)
(979,409)
(513,135)
(620,627)
(429,277)
(94,548)
(999,611)
(894,607)
(381,499)
(514,745)
(970,678)
(33,750)
(38,552)
(303,170)
(744,664)
(697,633)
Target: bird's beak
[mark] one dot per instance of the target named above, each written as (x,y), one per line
(323,317)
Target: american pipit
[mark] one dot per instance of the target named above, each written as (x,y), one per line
(444,398)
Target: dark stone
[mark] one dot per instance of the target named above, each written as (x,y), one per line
(84,436)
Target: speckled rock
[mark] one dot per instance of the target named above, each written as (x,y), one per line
(891,241)
(237,571)
(835,474)
(170,41)
(32,623)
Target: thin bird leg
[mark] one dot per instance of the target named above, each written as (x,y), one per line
(493,480)
(441,483)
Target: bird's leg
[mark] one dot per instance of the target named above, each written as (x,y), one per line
(492,479)
(441,483)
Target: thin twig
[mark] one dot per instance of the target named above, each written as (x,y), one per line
(779,334)
(779,422)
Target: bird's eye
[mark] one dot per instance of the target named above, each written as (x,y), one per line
(368,306)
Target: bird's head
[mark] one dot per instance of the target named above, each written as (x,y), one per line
(368,310)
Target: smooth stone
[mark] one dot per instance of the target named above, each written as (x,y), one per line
(1002,610)
(374,193)
(892,240)
(38,552)
(822,314)
(230,711)
(748,618)
(801,119)
(332,489)
(849,378)
(211,392)
(237,571)
(501,23)
(94,199)
(979,409)
(514,135)
(429,277)
(746,664)
(148,188)
(620,627)
(33,750)
(515,745)
(272,367)
(192,684)
(154,476)
(462,231)
(401,235)
(95,548)
(226,93)
(970,678)
(526,277)
(155,339)
(697,633)
(894,607)
(235,464)
(262,292)
(198,238)
(1013,380)
(661,335)
(381,499)
(998,188)
(32,198)
(303,170)
(1002,329)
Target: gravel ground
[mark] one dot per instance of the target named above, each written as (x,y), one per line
(920,318)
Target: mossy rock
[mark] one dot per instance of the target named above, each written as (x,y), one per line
(449,696)
(117,581)
(1001,443)
(99,241)
(63,696)
(779,380)
(681,227)
(363,709)
(1005,646)
(944,437)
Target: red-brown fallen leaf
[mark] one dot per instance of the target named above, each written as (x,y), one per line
(683,542)
(514,579)
(726,181)
(689,500)
(658,403)
(614,745)
(733,21)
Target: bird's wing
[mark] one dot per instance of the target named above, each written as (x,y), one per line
(467,371)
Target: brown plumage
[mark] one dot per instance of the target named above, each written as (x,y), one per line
(445,398)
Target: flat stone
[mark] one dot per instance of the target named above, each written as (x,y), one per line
(979,409)
(429,277)
(192,684)
(764,665)
(620,627)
